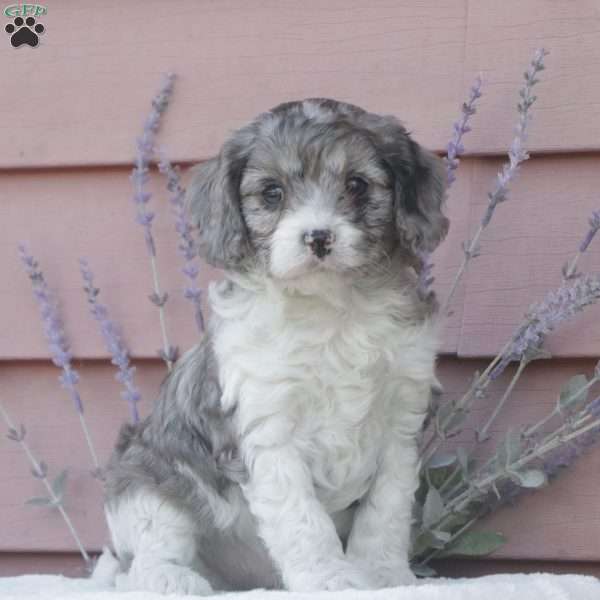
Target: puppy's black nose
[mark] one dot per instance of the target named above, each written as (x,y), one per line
(319,241)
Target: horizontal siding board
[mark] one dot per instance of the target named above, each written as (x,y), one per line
(416,60)
(501,38)
(529,239)
(93,85)
(67,214)
(552,524)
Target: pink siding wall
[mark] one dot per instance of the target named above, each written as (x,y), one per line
(67,124)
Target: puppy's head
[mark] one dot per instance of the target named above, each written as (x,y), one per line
(317,185)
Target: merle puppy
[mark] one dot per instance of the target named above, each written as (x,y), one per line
(282,450)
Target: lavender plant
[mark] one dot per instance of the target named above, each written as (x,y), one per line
(516,155)
(452,415)
(113,339)
(457,491)
(570,268)
(145,150)
(455,149)
(59,345)
(455,146)
(458,488)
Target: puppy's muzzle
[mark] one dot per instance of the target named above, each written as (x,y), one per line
(319,241)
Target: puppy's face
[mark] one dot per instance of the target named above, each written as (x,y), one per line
(315,197)
(317,185)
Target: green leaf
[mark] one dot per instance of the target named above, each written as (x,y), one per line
(454,521)
(570,389)
(58,485)
(509,449)
(474,543)
(425,541)
(39,501)
(537,354)
(463,460)
(433,509)
(423,571)
(437,477)
(530,478)
(455,417)
(440,460)
(441,536)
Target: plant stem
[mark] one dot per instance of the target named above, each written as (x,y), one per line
(468,253)
(531,430)
(570,271)
(549,443)
(161,313)
(482,485)
(580,418)
(56,502)
(88,440)
(481,383)
(450,478)
(482,433)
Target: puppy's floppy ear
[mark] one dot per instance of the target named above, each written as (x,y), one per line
(213,203)
(419,201)
(419,184)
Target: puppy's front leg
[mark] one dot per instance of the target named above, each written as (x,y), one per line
(298,532)
(380,536)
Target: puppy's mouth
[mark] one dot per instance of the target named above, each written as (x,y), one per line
(327,261)
(308,265)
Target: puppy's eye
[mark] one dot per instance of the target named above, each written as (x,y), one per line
(272,195)
(357,186)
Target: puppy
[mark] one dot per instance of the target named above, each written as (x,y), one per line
(282,451)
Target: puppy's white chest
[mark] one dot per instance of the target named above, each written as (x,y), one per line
(312,377)
(338,417)
(315,375)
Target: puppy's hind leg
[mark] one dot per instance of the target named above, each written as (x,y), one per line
(161,539)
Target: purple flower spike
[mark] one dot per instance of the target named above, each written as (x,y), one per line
(557,306)
(187,247)
(53,327)
(114,342)
(594,226)
(516,153)
(145,151)
(593,408)
(455,146)
(454,150)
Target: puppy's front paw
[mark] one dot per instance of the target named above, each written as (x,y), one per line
(338,575)
(351,579)
(387,576)
(395,577)
(166,578)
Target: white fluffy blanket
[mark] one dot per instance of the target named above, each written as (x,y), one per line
(540,586)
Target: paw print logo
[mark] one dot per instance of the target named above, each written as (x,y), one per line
(24,32)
